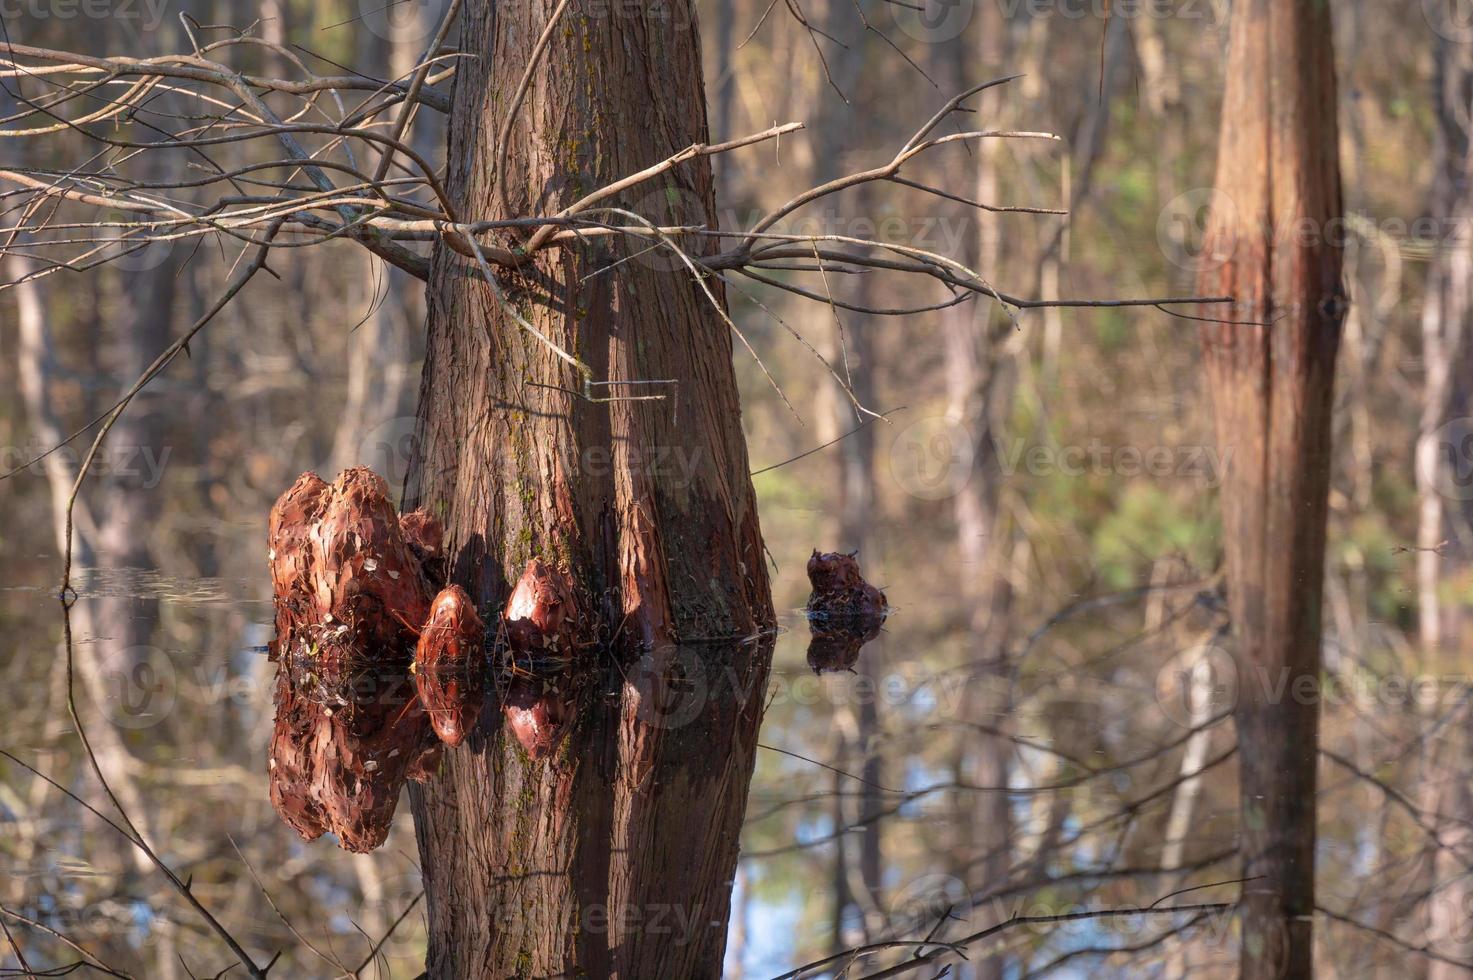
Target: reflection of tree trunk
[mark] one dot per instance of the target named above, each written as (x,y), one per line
(978,392)
(1445,315)
(559,866)
(1272,387)
(90,617)
(856,882)
(856,533)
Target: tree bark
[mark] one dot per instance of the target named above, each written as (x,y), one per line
(615,856)
(1273,230)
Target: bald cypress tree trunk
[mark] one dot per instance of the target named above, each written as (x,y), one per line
(613,857)
(1272,244)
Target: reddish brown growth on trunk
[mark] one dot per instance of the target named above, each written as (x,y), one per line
(844,611)
(539,714)
(542,617)
(349,599)
(450,665)
(544,626)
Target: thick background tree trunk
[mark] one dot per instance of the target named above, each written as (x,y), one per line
(1274,228)
(614,857)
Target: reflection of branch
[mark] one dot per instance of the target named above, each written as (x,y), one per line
(1384,936)
(374,950)
(942,948)
(91,958)
(182,887)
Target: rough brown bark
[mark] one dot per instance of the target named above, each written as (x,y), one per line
(1273,231)
(615,855)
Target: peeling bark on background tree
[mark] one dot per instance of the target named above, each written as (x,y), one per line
(1272,230)
(538,868)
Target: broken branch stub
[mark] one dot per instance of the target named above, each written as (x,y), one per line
(844,611)
(543,619)
(350,597)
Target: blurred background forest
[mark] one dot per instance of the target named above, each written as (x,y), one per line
(1041,728)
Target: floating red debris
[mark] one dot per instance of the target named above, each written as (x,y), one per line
(542,616)
(844,611)
(450,665)
(539,716)
(350,596)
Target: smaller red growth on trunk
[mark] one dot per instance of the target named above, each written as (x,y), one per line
(544,626)
(539,716)
(542,616)
(450,665)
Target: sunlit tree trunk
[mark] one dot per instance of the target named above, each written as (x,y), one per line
(1271,244)
(614,857)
